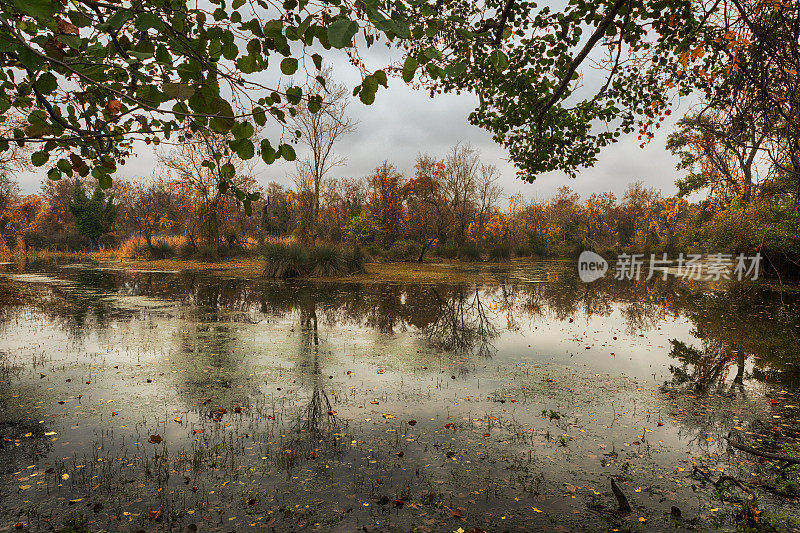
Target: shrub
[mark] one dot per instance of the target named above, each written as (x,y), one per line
(286,261)
(326,261)
(162,250)
(446,251)
(404,250)
(499,252)
(186,249)
(136,248)
(133,248)
(471,252)
(295,260)
(354,260)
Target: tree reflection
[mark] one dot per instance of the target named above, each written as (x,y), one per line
(461,323)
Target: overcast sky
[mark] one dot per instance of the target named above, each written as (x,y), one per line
(404,122)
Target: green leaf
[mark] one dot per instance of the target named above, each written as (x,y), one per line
(287,152)
(224,122)
(227,171)
(499,59)
(454,70)
(315,103)
(63,165)
(294,95)
(104,180)
(409,68)
(39,158)
(148,20)
(317,61)
(245,149)
(46,83)
(267,152)
(380,76)
(289,65)
(341,32)
(80,19)
(119,18)
(40,9)
(178,91)
(260,116)
(54,174)
(242,130)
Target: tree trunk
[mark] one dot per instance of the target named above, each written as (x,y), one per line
(425,248)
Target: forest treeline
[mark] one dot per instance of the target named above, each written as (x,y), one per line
(450,207)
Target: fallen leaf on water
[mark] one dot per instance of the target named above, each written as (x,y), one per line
(155,439)
(537,510)
(412,422)
(178,420)
(642,519)
(388,416)
(154,515)
(65,476)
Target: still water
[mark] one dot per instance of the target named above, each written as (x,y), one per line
(505,400)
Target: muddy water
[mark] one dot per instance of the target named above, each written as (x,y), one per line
(188,401)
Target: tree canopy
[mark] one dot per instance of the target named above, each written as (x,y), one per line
(92,76)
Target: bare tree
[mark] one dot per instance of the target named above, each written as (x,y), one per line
(320,131)
(462,166)
(210,183)
(145,206)
(16,158)
(487,194)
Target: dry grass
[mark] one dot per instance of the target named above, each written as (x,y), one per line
(163,245)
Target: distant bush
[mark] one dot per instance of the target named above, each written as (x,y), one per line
(186,249)
(471,252)
(163,250)
(446,251)
(297,260)
(164,247)
(404,250)
(499,252)
(62,242)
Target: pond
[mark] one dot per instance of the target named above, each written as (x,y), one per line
(504,400)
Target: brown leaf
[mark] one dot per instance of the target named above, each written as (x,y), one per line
(155,439)
(66,27)
(113,107)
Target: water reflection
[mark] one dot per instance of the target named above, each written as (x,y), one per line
(731,326)
(321,381)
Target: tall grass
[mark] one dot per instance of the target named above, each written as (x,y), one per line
(292,260)
(164,247)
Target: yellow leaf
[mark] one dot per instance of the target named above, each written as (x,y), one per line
(177,419)
(642,519)
(537,510)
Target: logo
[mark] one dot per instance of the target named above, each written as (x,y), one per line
(591,266)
